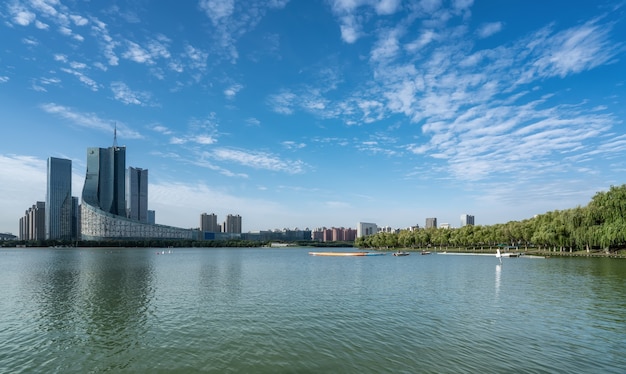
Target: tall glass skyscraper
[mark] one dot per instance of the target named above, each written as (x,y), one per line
(59,199)
(103,210)
(467,219)
(104,182)
(137,194)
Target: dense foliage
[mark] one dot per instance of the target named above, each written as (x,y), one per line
(599,225)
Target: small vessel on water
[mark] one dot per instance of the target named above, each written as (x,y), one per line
(400,253)
(425,252)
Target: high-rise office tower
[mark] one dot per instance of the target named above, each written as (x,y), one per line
(103,207)
(467,219)
(137,194)
(208,223)
(59,199)
(75,218)
(151,217)
(105,179)
(431,222)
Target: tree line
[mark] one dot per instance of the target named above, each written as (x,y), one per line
(600,225)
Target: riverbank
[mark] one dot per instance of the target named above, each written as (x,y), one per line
(521,252)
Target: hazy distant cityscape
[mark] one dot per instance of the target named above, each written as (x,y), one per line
(114,206)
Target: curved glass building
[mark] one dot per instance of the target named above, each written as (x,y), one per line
(103,208)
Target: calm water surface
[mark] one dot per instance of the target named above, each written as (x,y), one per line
(283,311)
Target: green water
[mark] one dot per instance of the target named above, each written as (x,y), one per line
(283,311)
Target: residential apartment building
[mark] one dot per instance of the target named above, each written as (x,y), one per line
(33,224)
(232,224)
(208,223)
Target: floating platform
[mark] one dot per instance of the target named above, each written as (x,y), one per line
(346,253)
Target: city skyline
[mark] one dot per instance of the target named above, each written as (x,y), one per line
(322,113)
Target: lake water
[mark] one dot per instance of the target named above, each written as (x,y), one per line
(283,311)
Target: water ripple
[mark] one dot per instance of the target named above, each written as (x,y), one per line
(282,311)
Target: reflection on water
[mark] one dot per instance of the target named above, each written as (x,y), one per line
(498,275)
(280,310)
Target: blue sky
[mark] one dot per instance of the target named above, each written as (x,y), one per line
(299,114)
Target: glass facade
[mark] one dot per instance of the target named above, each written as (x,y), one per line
(58,213)
(105,179)
(137,194)
(103,208)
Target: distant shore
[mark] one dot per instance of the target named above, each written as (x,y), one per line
(521,252)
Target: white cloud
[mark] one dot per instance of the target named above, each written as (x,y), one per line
(136,53)
(231,20)
(100,30)
(198,58)
(60,57)
(79,20)
(30,41)
(283,102)
(216,10)
(41,26)
(424,39)
(93,85)
(77,65)
(162,129)
(22,16)
(204,139)
(65,30)
(90,120)
(488,29)
(384,7)
(232,91)
(253,121)
(123,93)
(351,17)
(387,46)
(258,160)
(4,79)
(350,29)
(291,145)
(574,50)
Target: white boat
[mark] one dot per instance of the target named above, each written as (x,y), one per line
(399,253)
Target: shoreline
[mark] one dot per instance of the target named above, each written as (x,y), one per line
(491,252)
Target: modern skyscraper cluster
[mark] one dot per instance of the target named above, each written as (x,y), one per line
(115,206)
(115,202)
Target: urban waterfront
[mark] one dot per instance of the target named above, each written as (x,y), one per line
(275,310)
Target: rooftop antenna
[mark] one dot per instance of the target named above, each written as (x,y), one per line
(115,136)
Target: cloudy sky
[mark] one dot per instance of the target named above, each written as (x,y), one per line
(299,114)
